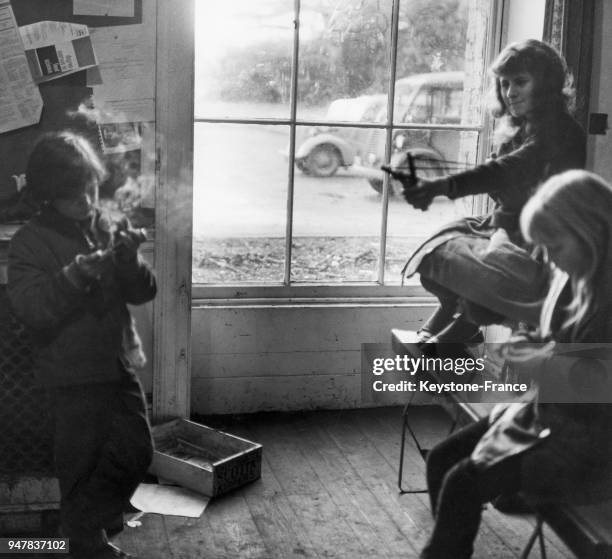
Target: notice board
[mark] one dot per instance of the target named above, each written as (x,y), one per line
(62,98)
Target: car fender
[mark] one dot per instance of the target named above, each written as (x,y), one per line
(346,151)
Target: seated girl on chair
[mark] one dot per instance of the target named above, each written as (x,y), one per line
(545,449)
(482,266)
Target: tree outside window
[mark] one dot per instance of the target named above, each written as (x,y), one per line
(291,129)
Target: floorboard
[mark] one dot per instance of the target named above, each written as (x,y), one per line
(513,530)
(328,490)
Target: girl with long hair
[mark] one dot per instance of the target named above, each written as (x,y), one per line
(556,446)
(481,268)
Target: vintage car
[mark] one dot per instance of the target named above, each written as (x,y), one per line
(327,148)
(434,98)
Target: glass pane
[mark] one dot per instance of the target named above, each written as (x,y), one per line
(243,71)
(337,213)
(437,153)
(243,58)
(440,66)
(344,55)
(239,203)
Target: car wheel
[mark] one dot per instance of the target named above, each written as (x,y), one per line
(376,184)
(323,161)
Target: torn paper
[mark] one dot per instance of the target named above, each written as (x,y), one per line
(54,49)
(169,500)
(20,101)
(108,8)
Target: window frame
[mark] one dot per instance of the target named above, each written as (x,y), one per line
(288,291)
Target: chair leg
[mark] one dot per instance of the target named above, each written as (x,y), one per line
(537,534)
(423,452)
(542,542)
(406,427)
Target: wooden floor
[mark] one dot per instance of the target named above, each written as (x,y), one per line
(328,489)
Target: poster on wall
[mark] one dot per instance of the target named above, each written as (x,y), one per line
(55,49)
(20,101)
(124,80)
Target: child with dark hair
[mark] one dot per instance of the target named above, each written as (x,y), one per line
(555,447)
(481,268)
(72,271)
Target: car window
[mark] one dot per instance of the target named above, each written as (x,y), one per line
(418,111)
(446,105)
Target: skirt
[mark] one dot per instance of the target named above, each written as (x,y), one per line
(482,266)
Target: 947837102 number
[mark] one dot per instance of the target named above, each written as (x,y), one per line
(29,545)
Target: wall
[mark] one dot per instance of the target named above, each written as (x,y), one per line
(263,358)
(522,25)
(600,147)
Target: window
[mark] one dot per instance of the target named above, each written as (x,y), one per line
(292,123)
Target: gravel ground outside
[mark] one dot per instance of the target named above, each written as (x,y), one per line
(328,259)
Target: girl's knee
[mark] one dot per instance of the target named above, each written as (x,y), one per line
(461,481)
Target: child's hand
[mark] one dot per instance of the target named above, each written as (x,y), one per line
(126,243)
(86,268)
(92,265)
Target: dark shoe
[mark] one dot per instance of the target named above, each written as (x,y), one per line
(454,337)
(409,342)
(460,331)
(439,319)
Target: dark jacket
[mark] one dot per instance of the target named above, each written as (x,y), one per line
(78,334)
(521,165)
(566,427)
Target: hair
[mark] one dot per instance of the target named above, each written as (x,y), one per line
(554,91)
(578,203)
(61,165)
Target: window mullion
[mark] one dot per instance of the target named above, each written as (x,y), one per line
(292,134)
(388,138)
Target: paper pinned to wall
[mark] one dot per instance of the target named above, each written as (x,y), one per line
(126,68)
(55,49)
(169,500)
(108,8)
(20,101)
